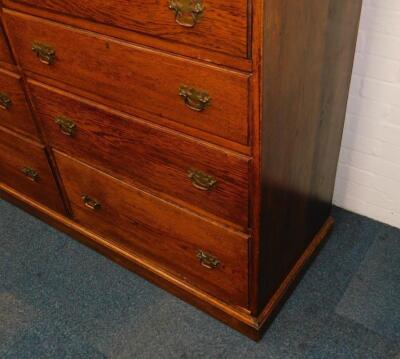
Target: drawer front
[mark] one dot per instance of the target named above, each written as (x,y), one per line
(165,234)
(221,26)
(14,110)
(143,82)
(5,55)
(147,155)
(24,167)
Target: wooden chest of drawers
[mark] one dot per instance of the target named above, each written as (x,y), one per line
(192,141)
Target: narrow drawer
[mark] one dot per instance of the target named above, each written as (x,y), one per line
(5,55)
(211,24)
(208,256)
(24,167)
(146,155)
(141,81)
(14,110)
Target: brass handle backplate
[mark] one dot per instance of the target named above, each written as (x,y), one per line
(187,12)
(45,53)
(5,101)
(195,99)
(201,180)
(90,203)
(207,260)
(67,126)
(31,174)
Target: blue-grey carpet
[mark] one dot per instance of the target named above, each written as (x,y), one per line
(59,299)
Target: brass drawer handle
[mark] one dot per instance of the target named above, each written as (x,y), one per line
(187,12)
(5,101)
(195,99)
(201,180)
(67,126)
(207,260)
(90,203)
(31,174)
(45,53)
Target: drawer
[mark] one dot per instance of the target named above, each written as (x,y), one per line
(207,255)
(24,167)
(146,154)
(5,55)
(14,110)
(221,26)
(146,83)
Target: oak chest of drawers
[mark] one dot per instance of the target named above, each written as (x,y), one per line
(192,141)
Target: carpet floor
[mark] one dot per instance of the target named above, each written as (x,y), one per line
(59,299)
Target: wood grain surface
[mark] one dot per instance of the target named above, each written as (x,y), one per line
(146,81)
(18,115)
(223,26)
(16,154)
(146,155)
(146,225)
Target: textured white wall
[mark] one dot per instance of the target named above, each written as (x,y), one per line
(368,178)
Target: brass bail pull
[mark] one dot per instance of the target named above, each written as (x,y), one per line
(201,180)
(45,53)
(207,260)
(195,99)
(91,203)
(187,12)
(31,174)
(67,126)
(5,102)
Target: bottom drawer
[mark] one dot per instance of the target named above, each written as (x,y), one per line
(207,255)
(24,167)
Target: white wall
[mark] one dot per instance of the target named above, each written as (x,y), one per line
(368,178)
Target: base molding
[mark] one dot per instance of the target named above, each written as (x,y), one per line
(237,318)
(294,276)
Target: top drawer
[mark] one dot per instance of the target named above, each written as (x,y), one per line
(212,24)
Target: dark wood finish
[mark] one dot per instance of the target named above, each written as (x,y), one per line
(146,155)
(146,81)
(301,141)
(18,116)
(16,154)
(272,134)
(223,27)
(145,225)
